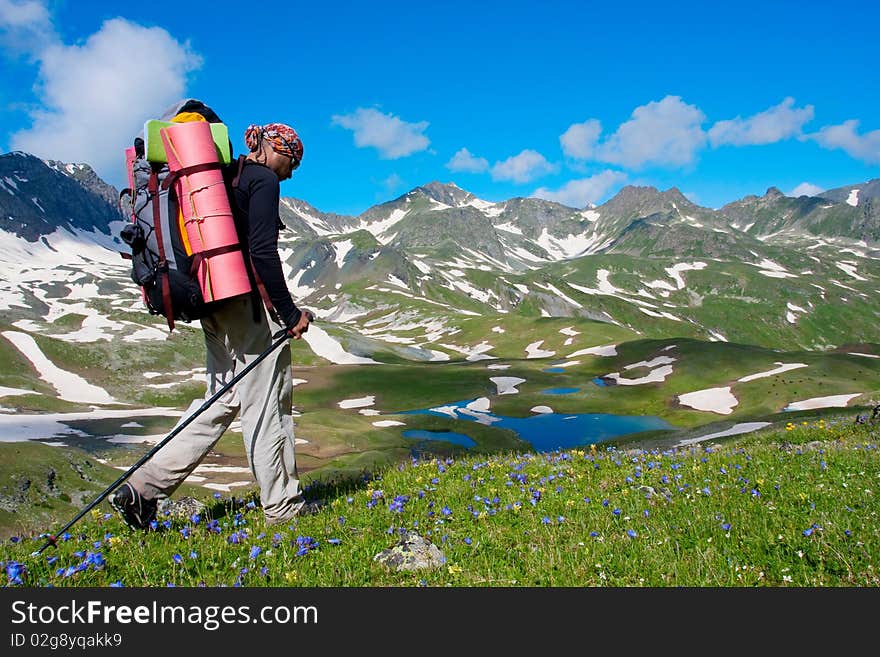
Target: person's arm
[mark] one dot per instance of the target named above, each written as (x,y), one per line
(263,240)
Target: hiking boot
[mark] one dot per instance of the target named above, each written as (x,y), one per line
(302,509)
(310,508)
(135,510)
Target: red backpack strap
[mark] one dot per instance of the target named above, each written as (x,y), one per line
(174,176)
(153,188)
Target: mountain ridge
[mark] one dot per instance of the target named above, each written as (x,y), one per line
(801,269)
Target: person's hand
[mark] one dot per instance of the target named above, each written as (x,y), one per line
(305,318)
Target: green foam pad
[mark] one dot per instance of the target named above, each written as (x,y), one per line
(155,149)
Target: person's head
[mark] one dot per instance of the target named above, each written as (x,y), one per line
(277,146)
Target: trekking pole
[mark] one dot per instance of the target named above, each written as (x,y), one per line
(280,338)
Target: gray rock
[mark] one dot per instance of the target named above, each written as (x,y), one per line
(180,508)
(647,491)
(412,553)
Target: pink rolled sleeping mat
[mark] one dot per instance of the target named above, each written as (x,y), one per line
(207,216)
(130,155)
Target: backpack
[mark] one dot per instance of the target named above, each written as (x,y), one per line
(169,266)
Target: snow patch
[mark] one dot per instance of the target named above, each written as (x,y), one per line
(507,384)
(821,402)
(69,386)
(533,350)
(714,400)
(358,403)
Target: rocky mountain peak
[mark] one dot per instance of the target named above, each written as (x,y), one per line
(773,193)
(635,193)
(446,193)
(854,194)
(42,196)
(86,176)
(674,195)
(635,201)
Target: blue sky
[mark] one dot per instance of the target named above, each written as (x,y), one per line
(563,100)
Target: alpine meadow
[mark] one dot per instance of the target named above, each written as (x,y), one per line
(644,392)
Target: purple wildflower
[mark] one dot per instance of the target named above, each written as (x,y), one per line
(14,571)
(95,559)
(398,503)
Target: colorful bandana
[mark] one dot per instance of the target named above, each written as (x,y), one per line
(281,137)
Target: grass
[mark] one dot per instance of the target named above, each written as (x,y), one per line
(791,507)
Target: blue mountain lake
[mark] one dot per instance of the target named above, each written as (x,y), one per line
(445,436)
(548,431)
(559,391)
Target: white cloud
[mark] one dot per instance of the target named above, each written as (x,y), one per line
(96,95)
(25,26)
(865,147)
(580,140)
(775,124)
(392,137)
(392,182)
(805,189)
(463,160)
(583,192)
(522,168)
(665,132)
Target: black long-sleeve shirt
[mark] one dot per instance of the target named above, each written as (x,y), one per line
(258,223)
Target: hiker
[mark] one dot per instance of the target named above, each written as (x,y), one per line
(236,333)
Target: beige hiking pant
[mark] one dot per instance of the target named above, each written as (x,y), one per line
(265,399)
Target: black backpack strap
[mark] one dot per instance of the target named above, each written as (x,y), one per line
(241,159)
(258,292)
(153,189)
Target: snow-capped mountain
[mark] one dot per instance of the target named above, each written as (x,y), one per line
(772,270)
